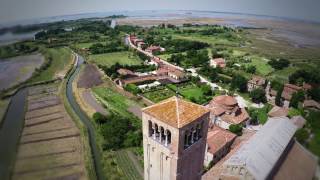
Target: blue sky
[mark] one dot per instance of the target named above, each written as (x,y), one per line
(12,10)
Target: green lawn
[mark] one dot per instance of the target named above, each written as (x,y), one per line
(61,58)
(109,59)
(263,68)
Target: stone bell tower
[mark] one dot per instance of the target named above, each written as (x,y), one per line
(174,140)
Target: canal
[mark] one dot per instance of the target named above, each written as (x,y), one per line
(10,132)
(86,121)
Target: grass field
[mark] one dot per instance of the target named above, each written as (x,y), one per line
(212,40)
(282,75)
(61,59)
(113,101)
(109,59)
(263,68)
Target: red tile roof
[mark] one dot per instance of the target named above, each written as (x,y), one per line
(289,90)
(176,112)
(217,138)
(277,111)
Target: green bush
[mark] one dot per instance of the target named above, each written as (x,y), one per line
(132,88)
(236,128)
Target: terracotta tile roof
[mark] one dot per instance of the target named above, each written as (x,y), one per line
(124,71)
(176,112)
(288,90)
(277,111)
(217,138)
(311,104)
(236,118)
(225,100)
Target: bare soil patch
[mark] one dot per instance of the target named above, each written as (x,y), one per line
(89,77)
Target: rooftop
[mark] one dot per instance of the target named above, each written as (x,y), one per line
(176,112)
(261,153)
(277,111)
(218,138)
(225,100)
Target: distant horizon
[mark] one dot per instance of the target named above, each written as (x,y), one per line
(120,12)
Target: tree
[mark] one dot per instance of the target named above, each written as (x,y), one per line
(236,128)
(279,64)
(278,100)
(99,118)
(239,82)
(251,69)
(302,135)
(132,88)
(296,98)
(258,96)
(314,93)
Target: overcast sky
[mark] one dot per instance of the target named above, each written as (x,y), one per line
(12,10)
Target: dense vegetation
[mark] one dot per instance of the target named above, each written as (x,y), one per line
(118,131)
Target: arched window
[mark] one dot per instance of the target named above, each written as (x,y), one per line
(169,137)
(156,131)
(186,134)
(161,135)
(150,130)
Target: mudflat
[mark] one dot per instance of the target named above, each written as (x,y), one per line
(18,69)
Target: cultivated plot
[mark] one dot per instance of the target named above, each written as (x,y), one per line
(50,144)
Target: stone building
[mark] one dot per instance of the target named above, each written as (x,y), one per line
(255,83)
(219,142)
(218,62)
(226,111)
(174,140)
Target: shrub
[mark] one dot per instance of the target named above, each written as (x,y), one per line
(236,128)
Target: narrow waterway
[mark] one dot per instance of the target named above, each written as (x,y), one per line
(86,121)
(10,132)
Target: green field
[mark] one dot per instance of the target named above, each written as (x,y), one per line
(263,68)
(109,59)
(114,101)
(282,75)
(61,58)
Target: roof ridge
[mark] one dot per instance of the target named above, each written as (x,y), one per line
(177,110)
(160,103)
